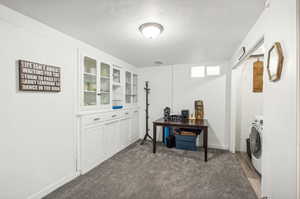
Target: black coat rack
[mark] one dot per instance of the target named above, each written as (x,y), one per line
(147,89)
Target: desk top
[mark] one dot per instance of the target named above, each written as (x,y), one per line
(187,123)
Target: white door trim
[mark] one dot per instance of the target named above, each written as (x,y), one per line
(231,122)
(298,99)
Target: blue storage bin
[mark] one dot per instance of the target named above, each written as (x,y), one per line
(186,142)
(187,138)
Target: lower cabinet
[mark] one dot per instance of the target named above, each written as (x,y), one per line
(135,133)
(125,130)
(105,136)
(92,147)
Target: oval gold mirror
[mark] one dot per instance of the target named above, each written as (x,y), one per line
(275,62)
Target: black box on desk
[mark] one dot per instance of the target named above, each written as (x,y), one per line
(186,142)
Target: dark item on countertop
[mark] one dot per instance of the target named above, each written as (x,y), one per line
(185,114)
(167,112)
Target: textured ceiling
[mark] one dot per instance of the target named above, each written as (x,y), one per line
(196,31)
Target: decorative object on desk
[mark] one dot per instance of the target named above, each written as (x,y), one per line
(38,77)
(258,72)
(167,112)
(275,62)
(199,110)
(175,118)
(147,89)
(192,117)
(185,114)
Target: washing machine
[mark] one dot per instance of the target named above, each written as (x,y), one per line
(256,141)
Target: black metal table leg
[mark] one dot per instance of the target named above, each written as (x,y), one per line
(205,143)
(154,138)
(163,134)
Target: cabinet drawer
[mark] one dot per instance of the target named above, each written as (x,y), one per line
(99,118)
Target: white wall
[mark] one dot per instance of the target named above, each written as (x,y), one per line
(38,130)
(172,86)
(278,23)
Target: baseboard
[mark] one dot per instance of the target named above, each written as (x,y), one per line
(45,191)
(217,146)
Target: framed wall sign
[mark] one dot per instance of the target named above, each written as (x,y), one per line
(275,62)
(38,77)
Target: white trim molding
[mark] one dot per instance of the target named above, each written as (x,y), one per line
(298,99)
(48,189)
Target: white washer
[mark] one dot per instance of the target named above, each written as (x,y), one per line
(256,142)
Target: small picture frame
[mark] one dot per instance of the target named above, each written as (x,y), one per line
(275,62)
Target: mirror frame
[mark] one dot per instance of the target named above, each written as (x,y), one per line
(275,77)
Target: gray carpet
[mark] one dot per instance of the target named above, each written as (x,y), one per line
(136,173)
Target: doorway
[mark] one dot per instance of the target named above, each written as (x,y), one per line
(247,114)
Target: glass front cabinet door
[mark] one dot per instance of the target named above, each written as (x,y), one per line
(117,92)
(134,88)
(96,85)
(128,85)
(104,84)
(90,82)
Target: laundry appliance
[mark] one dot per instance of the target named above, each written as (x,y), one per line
(256,142)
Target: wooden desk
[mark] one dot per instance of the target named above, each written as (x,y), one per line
(191,124)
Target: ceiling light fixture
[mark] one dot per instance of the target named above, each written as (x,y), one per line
(151,30)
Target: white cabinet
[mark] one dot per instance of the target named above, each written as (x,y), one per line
(89,82)
(117,89)
(92,150)
(95,83)
(128,87)
(111,138)
(125,130)
(131,88)
(105,134)
(104,85)
(135,126)
(134,88)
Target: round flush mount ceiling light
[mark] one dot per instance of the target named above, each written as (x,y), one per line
(151,30)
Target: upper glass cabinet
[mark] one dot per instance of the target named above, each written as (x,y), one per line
(128,87)
(96,86)
(134,88)
(117,89)
(105,83)
(90,82)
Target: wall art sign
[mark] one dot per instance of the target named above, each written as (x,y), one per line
(38,77)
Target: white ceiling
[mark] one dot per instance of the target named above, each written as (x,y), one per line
(196,31)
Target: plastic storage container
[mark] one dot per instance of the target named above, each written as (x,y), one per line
(186,142)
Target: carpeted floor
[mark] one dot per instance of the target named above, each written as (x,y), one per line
(137,173)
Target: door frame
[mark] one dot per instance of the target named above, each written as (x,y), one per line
(298,98)
(257,44)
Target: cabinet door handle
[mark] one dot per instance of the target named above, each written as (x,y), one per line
(110,123)
(97,119)
(126,113)
(114,116)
